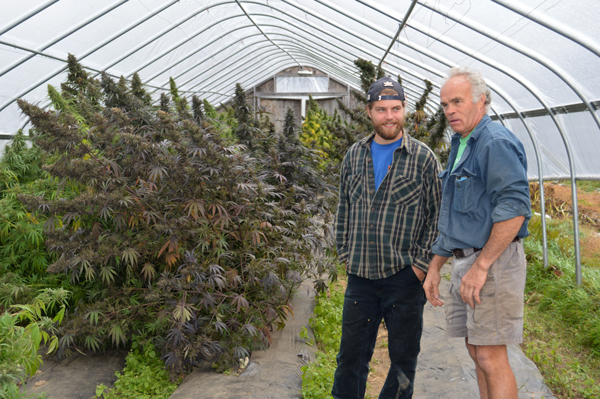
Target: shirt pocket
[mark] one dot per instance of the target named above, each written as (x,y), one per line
(464,191)
(405,192)
(355,187)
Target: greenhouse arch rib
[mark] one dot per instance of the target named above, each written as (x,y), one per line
(552,25)
(346,73)
(402,25)
(419,78)
(265,35)
(139,47)
(351,78)
(531,54)
(27,16)
(294,47)
(61,37)
(83,56)
(182,21)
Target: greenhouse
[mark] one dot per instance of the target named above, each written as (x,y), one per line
(172,167)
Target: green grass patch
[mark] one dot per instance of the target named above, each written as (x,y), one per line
(586,185)
(317,378)
(562,323)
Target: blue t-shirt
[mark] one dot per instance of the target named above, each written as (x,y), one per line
(383,156)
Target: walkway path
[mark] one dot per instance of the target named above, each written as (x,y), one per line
(444,371)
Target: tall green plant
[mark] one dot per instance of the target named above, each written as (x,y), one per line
(315,133)
(21,236)
(20,346)
(176,235)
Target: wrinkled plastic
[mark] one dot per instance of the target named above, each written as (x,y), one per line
(546,60)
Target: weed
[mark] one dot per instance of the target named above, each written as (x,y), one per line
(143,377)
(317,378)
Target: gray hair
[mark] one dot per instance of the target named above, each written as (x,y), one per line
(478,85)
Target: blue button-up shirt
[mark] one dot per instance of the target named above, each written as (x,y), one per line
(488,185)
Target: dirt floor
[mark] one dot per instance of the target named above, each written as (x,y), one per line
(380,364)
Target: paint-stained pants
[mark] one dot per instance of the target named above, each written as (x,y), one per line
(399,300)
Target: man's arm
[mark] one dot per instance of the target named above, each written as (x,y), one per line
(504,168)
(341,218)
(431,206)
(431,211)
(501,236)
(432,281)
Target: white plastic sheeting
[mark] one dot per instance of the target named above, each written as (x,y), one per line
(300,84)
(540,57)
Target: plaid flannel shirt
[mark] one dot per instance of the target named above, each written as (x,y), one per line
(379,232)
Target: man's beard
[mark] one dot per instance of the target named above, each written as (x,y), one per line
(386,134)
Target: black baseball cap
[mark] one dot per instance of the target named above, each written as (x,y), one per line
(384,83)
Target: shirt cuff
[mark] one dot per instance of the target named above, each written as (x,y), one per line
(422,264)
(342,254)
(438,250)
(508,210)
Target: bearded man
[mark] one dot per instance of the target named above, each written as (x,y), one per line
(386,223)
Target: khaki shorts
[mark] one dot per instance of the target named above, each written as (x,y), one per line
(499,318)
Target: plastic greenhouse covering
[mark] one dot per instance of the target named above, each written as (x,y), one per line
(539,57)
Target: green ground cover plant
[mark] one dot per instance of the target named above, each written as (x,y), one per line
(22,333)
(144,376)
(317,378)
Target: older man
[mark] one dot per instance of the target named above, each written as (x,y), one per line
(483,219)
(385,226)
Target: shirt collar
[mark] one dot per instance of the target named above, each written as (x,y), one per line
(478,129)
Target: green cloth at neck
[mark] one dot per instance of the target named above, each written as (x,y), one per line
(461,149)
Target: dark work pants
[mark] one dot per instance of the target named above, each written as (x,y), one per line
(399,300)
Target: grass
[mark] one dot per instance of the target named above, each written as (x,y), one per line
(317,379)
(562,320)
(587,186)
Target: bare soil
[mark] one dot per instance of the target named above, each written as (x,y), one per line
(558,204)
(380,364)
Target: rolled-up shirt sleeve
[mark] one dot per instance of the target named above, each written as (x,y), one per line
(440,248)
(505,175)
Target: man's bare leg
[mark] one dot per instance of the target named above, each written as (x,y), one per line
(480,376)
(494,375)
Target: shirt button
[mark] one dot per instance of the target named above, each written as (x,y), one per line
(371,192)
(371,242)
(370,175)
(371,226)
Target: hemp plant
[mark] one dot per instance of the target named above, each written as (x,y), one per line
(180,238)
